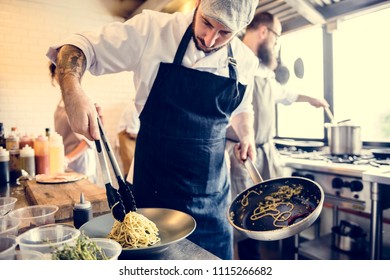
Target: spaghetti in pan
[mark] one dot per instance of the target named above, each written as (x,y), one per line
(277,208)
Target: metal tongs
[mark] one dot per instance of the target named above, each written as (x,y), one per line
(121,201)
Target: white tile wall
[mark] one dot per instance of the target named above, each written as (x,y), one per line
(27,28)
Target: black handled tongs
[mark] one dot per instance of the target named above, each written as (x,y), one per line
(121,201)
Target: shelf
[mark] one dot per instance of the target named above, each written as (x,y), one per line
(321,249)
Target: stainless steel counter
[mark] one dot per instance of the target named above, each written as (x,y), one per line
(182,250)
(379,183)
(375,184)
(354,170)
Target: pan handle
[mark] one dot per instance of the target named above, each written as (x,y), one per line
(253,172)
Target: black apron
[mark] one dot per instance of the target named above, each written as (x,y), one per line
(179,158)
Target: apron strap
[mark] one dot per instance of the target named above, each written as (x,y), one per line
(232,63)
(233,68)
(183,46)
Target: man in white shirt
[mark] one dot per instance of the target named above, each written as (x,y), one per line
(261,37)
(192,77)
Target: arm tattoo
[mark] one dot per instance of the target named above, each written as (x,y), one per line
(70,61)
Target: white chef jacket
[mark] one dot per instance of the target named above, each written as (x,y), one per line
(129,120)
(141,43)
(280,93)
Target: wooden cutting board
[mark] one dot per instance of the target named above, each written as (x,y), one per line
(65,195)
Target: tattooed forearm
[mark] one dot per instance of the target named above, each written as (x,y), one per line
(70,61)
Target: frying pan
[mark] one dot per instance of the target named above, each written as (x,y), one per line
(307,206)
(381,153)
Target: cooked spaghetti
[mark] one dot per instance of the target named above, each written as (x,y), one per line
(273,205)
(136,231)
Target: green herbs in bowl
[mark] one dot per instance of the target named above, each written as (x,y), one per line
(87,248)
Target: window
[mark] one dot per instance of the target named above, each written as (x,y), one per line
(361,78)
(362,74)
(300,120)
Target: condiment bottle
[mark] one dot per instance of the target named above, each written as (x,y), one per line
(4,166)
(26,140)
(2,136)
(14,165)
(82,212)
(42,150)
(12,141)
(27,160)
(57,154)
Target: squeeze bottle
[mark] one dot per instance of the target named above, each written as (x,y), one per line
(57,154)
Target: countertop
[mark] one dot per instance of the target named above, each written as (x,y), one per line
(182,250)
(381,176)
(315,163)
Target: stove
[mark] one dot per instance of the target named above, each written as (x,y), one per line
(341,177)
(347,196)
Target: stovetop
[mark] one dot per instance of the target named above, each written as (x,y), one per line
(323,161)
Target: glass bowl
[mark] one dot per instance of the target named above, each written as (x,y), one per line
(7,247)
(47,238)
(110,248)
(29,255)
(9,226)
(7,204)
(34,216)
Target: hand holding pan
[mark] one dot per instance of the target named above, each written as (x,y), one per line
(277,208)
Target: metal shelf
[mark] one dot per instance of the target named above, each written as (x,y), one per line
(321,249)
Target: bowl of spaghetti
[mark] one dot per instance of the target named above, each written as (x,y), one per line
(149,230)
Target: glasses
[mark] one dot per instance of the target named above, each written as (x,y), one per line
(273,31)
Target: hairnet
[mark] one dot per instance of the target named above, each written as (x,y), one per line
(234,14)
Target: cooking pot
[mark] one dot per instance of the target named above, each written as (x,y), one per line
(344,138)
(348,237)
(255,213)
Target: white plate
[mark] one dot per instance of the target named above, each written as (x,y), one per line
(59,178)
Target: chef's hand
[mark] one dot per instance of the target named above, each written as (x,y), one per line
(243,150)
(82,114)
(318,102)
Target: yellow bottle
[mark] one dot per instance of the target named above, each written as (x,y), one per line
(57,154)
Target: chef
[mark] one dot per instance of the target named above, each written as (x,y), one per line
(262,36)
(193,77)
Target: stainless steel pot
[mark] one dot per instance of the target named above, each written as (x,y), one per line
(344,138)
(348,237)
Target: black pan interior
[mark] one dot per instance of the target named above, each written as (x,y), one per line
(381,153)
(304,203)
